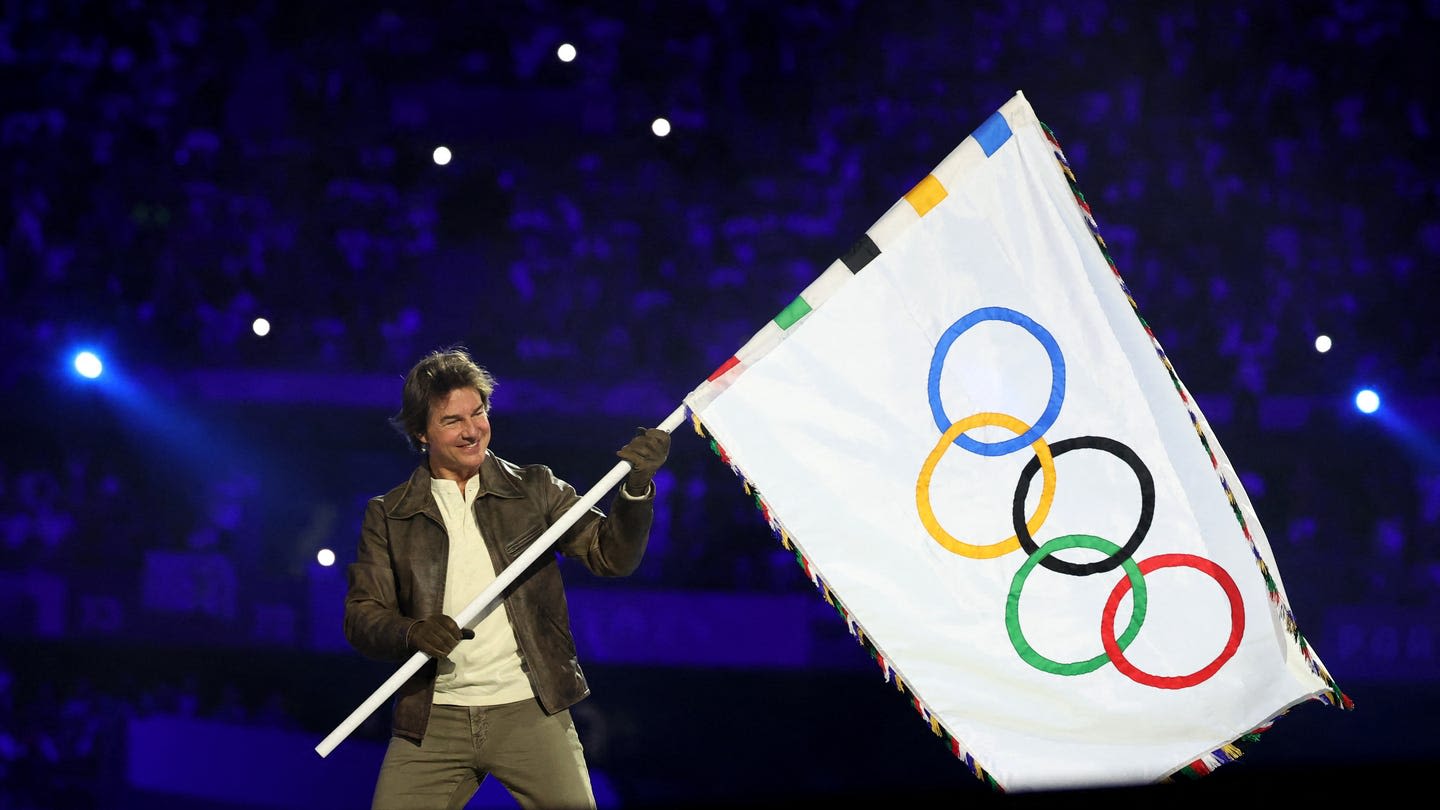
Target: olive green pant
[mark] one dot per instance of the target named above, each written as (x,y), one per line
(537,757)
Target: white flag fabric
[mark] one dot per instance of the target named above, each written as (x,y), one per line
(983,458)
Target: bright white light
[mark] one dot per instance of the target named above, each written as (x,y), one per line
(566,52)
(660,127)
(1367,401)
(441,155)
(1322,344)
(88,365)
(260,327)
(325,557)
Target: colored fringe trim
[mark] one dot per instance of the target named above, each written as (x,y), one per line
(1202,765)
(1334,696)
(952,743)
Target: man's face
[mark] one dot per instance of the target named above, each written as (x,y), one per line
(458,434)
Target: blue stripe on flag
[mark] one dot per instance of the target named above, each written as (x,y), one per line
(992,134)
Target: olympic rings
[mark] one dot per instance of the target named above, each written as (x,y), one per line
(1025,532)
(1042,460)
(1025,529)
(1057,380)
(1113,648)
(1133,576)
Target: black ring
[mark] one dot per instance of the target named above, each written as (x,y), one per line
(1147,505)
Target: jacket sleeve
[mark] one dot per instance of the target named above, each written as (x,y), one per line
(608,545)
(374,625)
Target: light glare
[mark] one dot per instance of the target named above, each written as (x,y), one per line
(325,557)
(660,127)
(1367,401)
(566,52)
(441,155)
(1322,344)
(88,365)
(260,327)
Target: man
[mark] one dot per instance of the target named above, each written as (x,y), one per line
(495,697)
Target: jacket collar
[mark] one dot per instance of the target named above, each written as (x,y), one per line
(497,477)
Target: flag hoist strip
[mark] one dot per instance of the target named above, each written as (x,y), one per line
(982,458)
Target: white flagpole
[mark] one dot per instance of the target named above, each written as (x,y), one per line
(464,617)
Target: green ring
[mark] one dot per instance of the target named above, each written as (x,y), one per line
(1012,605)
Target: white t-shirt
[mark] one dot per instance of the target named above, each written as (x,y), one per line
(485,670)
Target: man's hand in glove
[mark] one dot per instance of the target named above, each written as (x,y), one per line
(646,452)
(436,636)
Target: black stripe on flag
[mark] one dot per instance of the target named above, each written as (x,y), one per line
(860,253)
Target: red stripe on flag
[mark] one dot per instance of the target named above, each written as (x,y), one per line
(724,367)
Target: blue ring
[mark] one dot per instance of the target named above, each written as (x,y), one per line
(1057,380)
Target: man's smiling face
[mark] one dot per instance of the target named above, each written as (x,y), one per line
(458,434)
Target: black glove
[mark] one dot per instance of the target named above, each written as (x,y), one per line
(436,636)
(646,452)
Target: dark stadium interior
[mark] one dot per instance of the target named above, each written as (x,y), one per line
(1262,172)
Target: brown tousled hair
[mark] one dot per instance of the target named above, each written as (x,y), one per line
(437,374)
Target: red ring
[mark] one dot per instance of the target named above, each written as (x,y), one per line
(1112,606)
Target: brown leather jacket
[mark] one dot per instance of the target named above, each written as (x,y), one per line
(398,577)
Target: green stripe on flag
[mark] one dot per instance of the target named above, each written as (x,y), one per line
(792,313)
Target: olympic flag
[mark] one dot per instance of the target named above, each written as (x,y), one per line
(982,457)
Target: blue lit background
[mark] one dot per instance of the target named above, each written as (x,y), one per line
(1265,177)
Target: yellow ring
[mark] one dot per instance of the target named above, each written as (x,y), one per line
(922,487)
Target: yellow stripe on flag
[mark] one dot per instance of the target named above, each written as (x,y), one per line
(926,195)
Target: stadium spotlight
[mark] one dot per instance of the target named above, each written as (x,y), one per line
(88,365)
(1323,344)
(441,155)
(566,52)
(1367,400)
(660,127)
(260,326)
(325,557)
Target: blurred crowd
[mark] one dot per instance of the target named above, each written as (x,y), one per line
(175,170)
(1261,172)
(64,740)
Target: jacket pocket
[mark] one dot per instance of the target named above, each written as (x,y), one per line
(522,540)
